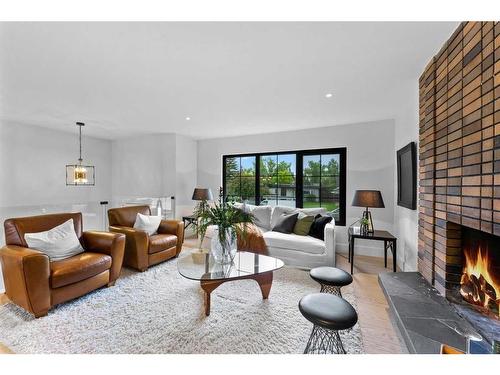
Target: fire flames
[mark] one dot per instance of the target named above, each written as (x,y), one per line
(477,285)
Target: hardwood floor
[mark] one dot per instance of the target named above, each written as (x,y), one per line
(377,327)
(380,336)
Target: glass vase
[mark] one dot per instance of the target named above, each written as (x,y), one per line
(224,253)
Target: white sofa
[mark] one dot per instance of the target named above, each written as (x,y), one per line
(299,251)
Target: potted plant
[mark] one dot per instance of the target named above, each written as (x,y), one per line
(228,222)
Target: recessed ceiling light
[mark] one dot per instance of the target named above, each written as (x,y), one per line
(329,95)
(188,118)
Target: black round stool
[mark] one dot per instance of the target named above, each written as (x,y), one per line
(331,279)
(329,314)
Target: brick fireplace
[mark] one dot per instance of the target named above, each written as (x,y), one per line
(459,150)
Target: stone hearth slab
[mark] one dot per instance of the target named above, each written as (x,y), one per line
(425,318)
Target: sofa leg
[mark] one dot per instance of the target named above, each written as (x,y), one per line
(41,314)
(110,284)
(143,269)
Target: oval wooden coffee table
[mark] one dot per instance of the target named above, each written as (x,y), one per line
(203,268)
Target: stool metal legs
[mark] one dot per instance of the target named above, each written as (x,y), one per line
(324,341)
(331,289)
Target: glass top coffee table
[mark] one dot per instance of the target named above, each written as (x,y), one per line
(202,267)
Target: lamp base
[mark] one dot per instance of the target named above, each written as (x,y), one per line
(367,228)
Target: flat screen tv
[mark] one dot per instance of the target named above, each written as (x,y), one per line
(407,176)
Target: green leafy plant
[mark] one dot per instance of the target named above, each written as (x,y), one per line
(229,220)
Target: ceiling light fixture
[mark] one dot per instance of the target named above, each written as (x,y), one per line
(188,118)
(79,174)
(329,95)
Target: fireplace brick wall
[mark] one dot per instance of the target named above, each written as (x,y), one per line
(459,148)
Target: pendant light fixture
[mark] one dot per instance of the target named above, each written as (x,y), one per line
(79,174)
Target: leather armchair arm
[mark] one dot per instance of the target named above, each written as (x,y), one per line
(174,227)
(26,273)
(136,246)
(112,244)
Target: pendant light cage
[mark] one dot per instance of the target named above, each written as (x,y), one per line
(80,174)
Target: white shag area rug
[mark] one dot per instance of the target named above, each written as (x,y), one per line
(159,311)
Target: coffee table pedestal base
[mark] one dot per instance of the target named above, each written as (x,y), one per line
(265,281)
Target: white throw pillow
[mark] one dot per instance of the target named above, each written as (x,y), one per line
(261,214)
(58,243)
(149,224)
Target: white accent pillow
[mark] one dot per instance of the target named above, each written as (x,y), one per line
(58,243)
(149,224)
(262,214)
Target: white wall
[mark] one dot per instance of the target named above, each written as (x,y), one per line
(158,165)
(186,158)
(143,166)
(33,176)
(406,220)
(370,165)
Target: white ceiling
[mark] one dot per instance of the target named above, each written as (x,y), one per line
(231,79)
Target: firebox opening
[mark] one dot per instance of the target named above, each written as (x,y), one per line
(480,280)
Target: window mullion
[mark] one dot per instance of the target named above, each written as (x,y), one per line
(299,180)
(257,180)
(278,182)
(320,180)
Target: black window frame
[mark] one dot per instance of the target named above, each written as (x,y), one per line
(299,157)
(239,172)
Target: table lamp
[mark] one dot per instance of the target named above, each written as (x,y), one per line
(201,194)
(368,199)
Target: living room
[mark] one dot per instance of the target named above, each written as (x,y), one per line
(155,172)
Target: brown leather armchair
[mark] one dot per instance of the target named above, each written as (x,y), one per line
(142,250)
(37,284)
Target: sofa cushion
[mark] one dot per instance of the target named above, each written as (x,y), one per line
(303,224)
(314,211)
(318,226)
(261,214)
(286,223)
(77,268)
(306,244)
(160,242)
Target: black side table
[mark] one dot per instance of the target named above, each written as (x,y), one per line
(189,220)
(378,235)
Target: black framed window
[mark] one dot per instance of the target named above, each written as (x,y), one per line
(277,180)
(305,178)
(240,176)
(321,181)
